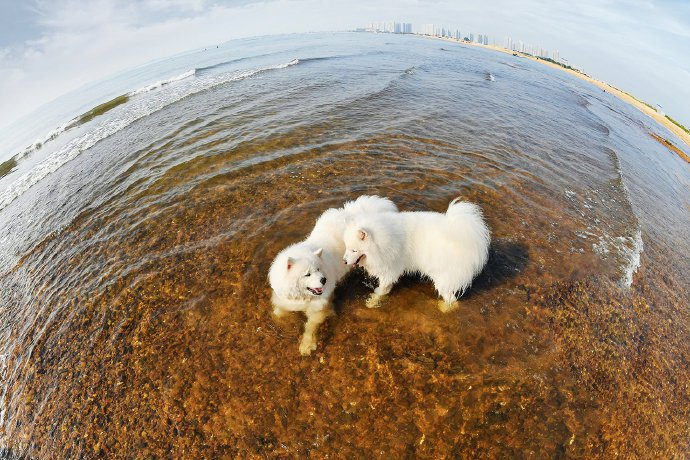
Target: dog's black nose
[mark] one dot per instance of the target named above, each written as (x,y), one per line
(323,280)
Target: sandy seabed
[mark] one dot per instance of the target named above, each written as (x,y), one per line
(143,327)
(182,358)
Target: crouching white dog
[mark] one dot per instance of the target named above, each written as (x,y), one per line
(450,249)
(303,276)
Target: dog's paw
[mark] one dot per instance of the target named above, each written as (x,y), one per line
(383,290)
(374,301)
(446,307)
(306,346)
(279,312)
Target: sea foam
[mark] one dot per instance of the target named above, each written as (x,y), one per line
(634,256)
(160,84)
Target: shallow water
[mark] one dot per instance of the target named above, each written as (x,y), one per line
(135,248)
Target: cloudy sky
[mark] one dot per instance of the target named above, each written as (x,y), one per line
(50,47)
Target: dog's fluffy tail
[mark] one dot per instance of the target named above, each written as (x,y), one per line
(457,207)
(369,204)
(471,214)
(470,222)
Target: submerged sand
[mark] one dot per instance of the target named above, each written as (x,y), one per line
(182,357)
(142,326)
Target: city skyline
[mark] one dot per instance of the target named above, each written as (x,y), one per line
(454,32)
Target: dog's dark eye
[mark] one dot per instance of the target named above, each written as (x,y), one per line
(308,274)
(353,250)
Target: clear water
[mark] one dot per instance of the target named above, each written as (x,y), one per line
(134,250)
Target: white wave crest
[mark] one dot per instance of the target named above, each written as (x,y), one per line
(633,250)
(47,138)
(73,122)
(627,248)
(287,64)
(160,84)
(121,117)
(633,256)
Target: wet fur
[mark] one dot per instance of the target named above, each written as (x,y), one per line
(450,249)
(320,256)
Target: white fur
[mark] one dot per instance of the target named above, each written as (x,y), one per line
(451,248)
(320,257)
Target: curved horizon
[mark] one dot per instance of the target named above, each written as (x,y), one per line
(49,50)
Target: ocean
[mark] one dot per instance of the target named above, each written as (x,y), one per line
(138,225)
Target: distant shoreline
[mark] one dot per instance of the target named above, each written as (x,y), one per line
(650,112)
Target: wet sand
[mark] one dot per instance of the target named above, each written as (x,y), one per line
(7,166)
(669,145)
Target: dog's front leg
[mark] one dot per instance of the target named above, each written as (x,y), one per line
(386,282)
(385,286)
(314,320)
(278,311)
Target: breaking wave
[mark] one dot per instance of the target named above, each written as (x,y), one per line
(160,84)
(631,251)
(634,256)
(135,109)
(74,122)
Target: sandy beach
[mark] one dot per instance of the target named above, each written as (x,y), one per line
(685,137)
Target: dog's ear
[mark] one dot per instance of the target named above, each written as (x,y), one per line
(318,252)
(290,263)
(362,234)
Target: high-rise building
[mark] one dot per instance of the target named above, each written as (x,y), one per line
(427,29)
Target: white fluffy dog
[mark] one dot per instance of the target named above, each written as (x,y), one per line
(303,276)
(450,248)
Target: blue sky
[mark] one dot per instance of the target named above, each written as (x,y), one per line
(50,47)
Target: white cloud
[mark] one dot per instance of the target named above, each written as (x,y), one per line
(85,41)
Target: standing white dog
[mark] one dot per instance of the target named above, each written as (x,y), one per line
(450,248)
(303,276)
